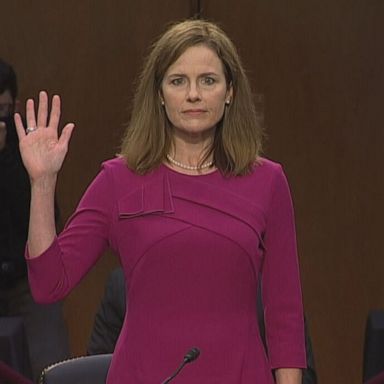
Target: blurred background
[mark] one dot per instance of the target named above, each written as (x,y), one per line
(317,70)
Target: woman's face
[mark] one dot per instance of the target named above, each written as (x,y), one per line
(194,92)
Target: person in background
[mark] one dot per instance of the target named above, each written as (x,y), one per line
(44,324)
(109,316)
(194,213)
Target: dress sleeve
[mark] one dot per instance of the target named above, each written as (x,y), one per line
(281,290)
(85,237)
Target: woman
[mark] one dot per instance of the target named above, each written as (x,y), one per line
(194,213)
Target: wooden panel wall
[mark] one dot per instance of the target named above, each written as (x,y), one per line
(319,66)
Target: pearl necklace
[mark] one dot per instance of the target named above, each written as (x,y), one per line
(189,167)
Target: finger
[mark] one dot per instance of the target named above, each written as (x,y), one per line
(19,126)
(30,109)
(66,134)
(55,112)
(42,113)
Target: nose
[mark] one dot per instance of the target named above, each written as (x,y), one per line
(193,94)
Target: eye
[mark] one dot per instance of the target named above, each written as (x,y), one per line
(177,81)
(208,80)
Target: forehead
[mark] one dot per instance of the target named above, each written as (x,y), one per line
(198,58)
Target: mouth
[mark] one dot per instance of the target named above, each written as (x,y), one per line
(194,112)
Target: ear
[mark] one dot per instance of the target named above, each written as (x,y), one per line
(229,94)
(160,92)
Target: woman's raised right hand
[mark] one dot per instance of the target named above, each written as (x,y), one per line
(41,148)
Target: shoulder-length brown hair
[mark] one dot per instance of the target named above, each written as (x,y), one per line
(238,136)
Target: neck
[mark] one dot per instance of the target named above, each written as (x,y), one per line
(189,167)
(191,149)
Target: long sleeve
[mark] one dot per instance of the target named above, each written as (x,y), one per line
(85,237)
(281,288)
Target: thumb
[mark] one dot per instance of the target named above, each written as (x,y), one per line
(66,134)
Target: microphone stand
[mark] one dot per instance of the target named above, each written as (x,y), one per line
(175,373)
(191,355)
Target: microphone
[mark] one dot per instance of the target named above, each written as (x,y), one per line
(190,356)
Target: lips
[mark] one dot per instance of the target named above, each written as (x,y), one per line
(193,112)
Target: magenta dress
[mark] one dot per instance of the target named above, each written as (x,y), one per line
(192,249)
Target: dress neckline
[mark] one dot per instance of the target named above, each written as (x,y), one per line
(172,170)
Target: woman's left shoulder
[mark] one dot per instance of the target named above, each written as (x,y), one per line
(265,166)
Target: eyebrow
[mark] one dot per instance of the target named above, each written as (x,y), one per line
(201,75)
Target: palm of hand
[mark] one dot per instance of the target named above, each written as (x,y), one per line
(41,153)
(43,150)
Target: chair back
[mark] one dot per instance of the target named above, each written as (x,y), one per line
(373,358)
(79,370)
